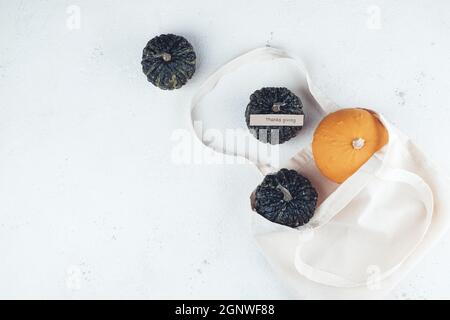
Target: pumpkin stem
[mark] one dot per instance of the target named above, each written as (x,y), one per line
(286,194)
(276,107)
(358,143)
(166,56)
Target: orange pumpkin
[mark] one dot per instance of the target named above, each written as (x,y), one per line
(344,140)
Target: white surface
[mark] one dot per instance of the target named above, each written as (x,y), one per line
(91,205)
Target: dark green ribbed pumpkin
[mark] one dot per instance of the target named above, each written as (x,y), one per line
(168,61)
(274,101)
(286,197)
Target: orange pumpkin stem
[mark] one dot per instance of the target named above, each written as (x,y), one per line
(358,143)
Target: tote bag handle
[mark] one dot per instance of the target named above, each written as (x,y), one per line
(324,105)
(342,196)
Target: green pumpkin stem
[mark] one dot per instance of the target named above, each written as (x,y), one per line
(287,196)
(165,56)
(276,107)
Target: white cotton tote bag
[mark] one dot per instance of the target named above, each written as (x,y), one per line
(367,232)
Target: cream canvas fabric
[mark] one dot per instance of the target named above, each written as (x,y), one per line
(367,232)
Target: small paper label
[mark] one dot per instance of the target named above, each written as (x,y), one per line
(277,120)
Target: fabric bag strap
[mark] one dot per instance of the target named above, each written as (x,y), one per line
(342,196)
(324,105)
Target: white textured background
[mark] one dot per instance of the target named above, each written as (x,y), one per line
(91,205)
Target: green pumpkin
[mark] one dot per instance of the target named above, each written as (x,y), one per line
(286,197)
(168,61)
(275,101)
